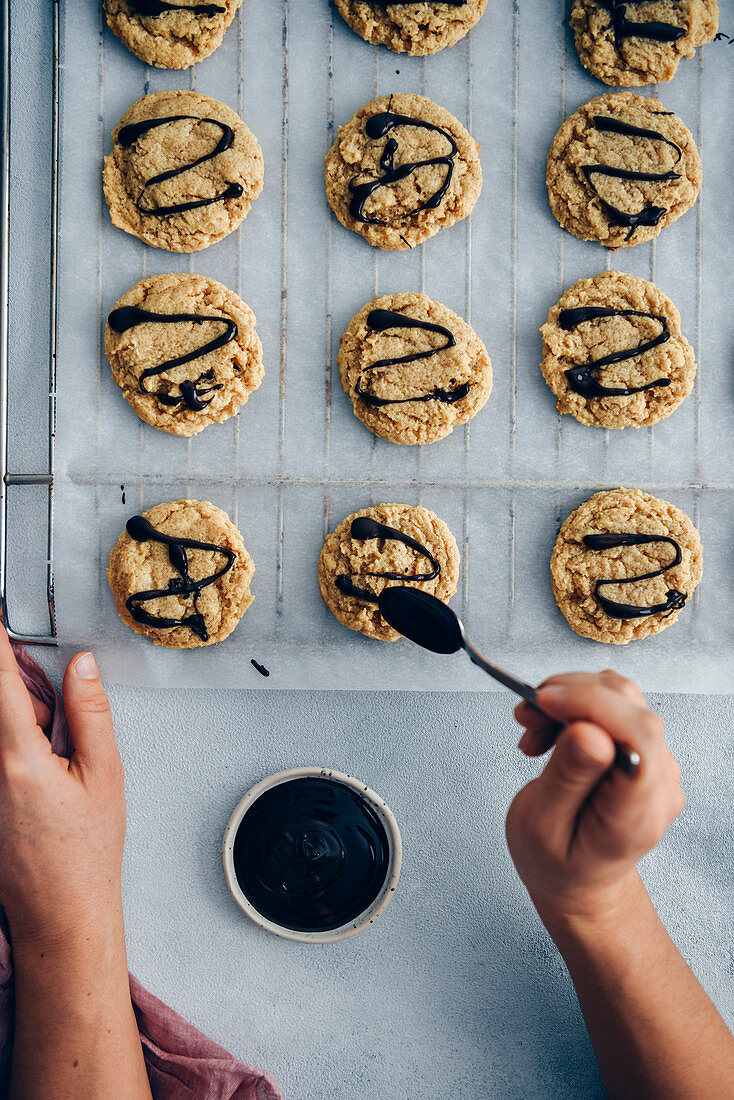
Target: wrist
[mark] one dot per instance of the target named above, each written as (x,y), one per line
(594,912)
(68,931)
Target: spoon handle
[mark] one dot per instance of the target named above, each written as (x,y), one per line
(627,760)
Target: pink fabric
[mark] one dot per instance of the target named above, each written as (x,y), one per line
(182,1063)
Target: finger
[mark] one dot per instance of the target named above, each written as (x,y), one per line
(537,741)
(608,677)
(540,734)
(41,712)
(88,715)
(583,755)
(624,686)
(632,725)
(642,809)
(528,715)
(18,724)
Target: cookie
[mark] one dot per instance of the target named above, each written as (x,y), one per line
(180,574)
(391,543)
(614,354)
(417,28)
(170,35)
(624,565)
(633,42)
(401,169)
(183,171)
(184,351)
(413,369)
(620,169)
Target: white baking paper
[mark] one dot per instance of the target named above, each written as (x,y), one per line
(297,461)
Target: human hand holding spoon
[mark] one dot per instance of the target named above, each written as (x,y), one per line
(429,623)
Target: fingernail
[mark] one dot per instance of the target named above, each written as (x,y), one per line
(86,667)
(553,691)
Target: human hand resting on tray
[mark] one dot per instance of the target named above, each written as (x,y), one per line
(575,834)
(62,830)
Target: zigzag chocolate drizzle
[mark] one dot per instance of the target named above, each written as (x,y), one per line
(649,215)
(128,135)
(579,376)
(160,7)
(379,320)
(365,528)
(378,126)
(191,392)
(674,599)
(624,28)
(141,529)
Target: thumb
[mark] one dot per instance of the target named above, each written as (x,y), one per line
(88,714)
(582,755)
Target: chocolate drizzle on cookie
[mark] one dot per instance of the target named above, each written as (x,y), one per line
(191,392)
(674,600)
(127,137)
(580,375)
(379,320)
(379,126)
(365,528)
(649,215)
(160,7)
(625,28)
(392,3)
(140,529)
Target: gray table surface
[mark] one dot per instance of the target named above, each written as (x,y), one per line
(457,992)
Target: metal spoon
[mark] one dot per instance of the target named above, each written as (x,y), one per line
(428,622)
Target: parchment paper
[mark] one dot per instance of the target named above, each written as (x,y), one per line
(297,461)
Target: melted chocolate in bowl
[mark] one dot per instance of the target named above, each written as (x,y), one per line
(311,854)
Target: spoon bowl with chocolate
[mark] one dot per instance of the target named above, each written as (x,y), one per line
(430,623)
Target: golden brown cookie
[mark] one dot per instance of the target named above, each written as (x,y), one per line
(401,169)
(183,171)
(391,543)
(614,354)
(180,574)
(624,565)
(170,35)
(417,28)
(413,369)
(184,351)
(633,42)
(620,169)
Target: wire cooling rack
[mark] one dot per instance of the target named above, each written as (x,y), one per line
(296,461)
(8,475)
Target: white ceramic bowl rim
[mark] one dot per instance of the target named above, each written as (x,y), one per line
(395,857)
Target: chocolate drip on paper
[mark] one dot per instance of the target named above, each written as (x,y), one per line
(625,28)
(579,376)
(142,530)
(649,215)
(160,7)
(379,320)
(674,600)
(311,854)
(365,528)
(128,135)
(378,126)
(191,392)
